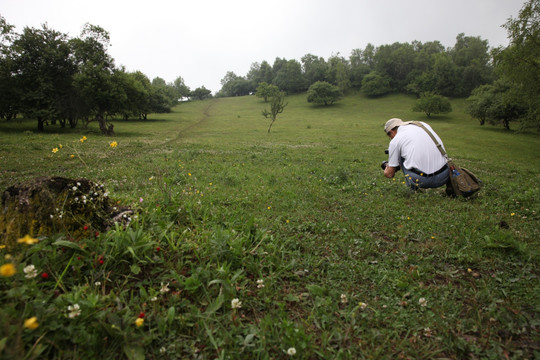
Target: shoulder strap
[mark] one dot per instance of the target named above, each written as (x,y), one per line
(439,146)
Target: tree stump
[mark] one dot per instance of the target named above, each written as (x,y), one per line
(49,205)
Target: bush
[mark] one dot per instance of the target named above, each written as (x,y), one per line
(323,93)
(431,103)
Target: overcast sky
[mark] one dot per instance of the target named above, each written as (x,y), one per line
(200,40)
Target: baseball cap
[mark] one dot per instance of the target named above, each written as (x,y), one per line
(392,123)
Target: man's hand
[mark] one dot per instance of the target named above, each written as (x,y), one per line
(389,171)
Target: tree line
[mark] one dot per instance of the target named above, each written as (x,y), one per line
(52,78)
(400,67)
(500,84)
(48,76)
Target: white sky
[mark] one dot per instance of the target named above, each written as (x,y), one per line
(200,40)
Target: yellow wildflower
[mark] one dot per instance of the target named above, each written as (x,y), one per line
(72,156)
(139,322)
(113,144)
(7,270)
(60,146)
(83,139)
(31,323)
(55,150)
(28,240)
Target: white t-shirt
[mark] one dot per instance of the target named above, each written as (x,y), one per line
(417,149)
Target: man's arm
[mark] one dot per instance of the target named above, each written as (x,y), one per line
(390,171)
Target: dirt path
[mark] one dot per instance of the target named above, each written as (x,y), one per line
(182,133)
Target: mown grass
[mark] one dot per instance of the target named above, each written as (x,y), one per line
(222,204)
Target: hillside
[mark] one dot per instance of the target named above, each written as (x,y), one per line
(254,245)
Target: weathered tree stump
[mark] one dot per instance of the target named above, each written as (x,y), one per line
(51,205)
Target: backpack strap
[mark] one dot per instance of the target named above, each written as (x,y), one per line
(439,146)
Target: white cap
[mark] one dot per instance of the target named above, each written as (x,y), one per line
(392,123)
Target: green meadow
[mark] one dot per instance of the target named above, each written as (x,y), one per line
(327,257)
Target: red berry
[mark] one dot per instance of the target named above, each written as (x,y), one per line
(158,249)
(45,275)
(141,315)
(97,234)
(101,261)
(85,227)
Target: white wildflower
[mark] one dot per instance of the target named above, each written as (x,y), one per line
(362,305)
(422,302)
(164,288)
(344,298)
(97,283)
(260,283)
(291,351)
(74,311)
(236,303)
(30,271)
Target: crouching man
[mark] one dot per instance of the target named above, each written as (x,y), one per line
(413,151)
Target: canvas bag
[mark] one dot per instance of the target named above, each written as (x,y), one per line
(462,181)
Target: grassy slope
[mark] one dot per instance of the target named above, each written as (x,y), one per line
(306,208)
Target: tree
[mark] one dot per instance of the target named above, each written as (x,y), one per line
(314,68)
(241,87)
(397,62)
(375,84)
(227,83)
(266,72)
(506,108)
(496,104)
(164,96)
(472,59)
(182,90)
(323,93)
(338,72)
(43,70)
(359,68)
(479,103)
(266,91)
(201,93)
(423,78)
(144,106)
(431,103)
(444,75)
(289,77)
(9,92)
(519,64)
(94,80)
(134,95)
(277,105)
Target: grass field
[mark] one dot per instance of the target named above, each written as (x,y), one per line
(326,256)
